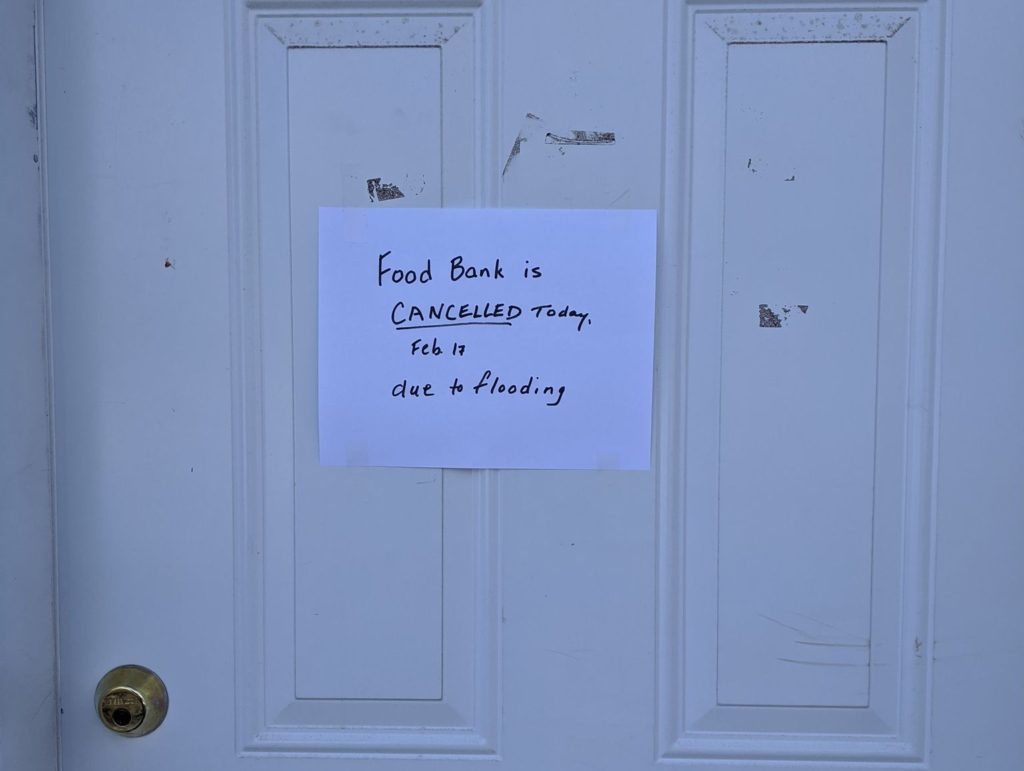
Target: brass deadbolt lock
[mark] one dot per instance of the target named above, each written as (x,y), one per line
(131,700)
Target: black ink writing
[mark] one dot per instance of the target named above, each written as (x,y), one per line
(433,348)
(426,349)
(549,311)
(492,384)
(405,389)
(400,276)
(459,271)
(406,315)
(452,314)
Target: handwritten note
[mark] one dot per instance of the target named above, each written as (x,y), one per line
(486,338)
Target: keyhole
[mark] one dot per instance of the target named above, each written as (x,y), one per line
(121,717)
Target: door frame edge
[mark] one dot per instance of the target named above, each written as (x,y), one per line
(29,703)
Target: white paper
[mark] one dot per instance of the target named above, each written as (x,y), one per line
(561,312)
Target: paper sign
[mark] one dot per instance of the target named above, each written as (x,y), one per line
(486,338)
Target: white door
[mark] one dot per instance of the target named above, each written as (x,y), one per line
(821,568)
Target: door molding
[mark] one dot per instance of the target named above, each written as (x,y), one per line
(279,709)
(869,695)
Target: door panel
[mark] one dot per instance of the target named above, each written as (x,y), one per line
(794,606)
(764,597)
(371,588)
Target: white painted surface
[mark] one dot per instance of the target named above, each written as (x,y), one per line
(977,640)
(802,220)
(797,651)
(362,618)
(28,703)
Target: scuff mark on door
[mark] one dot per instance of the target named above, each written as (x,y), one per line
(528,129)
(382,191)
(581,138)
(534,128)
(770,318)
